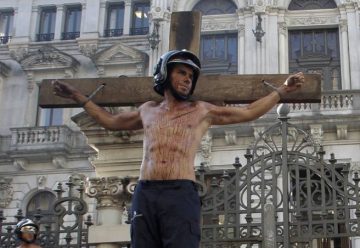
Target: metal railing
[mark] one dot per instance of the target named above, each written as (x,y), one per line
(5,39)
(45,37)
(113,32)
(70,35)
(139,31)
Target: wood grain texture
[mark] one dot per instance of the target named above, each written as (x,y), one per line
(219,89)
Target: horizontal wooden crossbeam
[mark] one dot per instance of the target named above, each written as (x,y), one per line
(219,89)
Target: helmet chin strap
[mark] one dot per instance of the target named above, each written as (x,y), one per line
(178,96)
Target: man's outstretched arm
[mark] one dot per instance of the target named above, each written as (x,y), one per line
(123,121)
(220,115)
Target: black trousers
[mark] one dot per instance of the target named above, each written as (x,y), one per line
(165,214)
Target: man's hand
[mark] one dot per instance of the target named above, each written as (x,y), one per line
(292,83)
(65,90)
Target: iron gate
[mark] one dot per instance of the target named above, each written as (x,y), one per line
(286,195)
(67,229)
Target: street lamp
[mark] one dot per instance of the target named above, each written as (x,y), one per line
(258,32)
(153,38)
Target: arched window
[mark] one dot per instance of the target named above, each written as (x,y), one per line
(312,4)
(44,201)
(215,7)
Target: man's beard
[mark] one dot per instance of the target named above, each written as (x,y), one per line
(177,95)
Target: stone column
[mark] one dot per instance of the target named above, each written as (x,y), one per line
(35,17)
(23,21)
(354,60)
(345,72)
(161,16)
(59,22)
(102,19)
(250,43)
(241,50)
(127,17)
(111,194)
(6,191)
(83,18)
(90,27)
(33,94)
(283,58)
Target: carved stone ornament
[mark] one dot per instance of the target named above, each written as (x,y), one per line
(258,131)
(4,70)
(48,58)
(317,133)
(6,192)
(312,20)
(18,52)
(230,137)
(292,134)
(41,182)
(282,28)
(342,132)
(159,13)
(205,148)
(343,24)
(21,163)
(59,162)
(225,24)
(119,54)
(106,190)
(354,168)
(260,6)
(88,48)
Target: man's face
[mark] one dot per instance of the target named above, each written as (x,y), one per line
(28,233)
(181,78)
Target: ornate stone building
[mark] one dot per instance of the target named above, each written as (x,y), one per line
(47,39)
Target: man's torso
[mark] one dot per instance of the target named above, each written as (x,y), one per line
(171,139)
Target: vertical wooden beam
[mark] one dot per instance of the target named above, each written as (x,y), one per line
(185,29)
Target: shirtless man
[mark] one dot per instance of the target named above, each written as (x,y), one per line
(26,231)
(166,206)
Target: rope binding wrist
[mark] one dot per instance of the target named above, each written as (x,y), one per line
(92,95)
(85,102)
(274,88)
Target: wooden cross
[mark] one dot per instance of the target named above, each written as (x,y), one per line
(184,34)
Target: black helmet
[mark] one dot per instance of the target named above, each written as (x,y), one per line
(171,57)
(26,225)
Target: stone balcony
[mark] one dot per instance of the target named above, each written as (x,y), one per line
(341,107)
(55,144)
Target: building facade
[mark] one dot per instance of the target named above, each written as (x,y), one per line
(65,39)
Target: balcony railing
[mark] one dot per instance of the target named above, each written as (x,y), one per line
(41,138)
(139,31)
(340,100)
(332,102)
(5,39)
(70,35)
(45,37)
(44,144)
(113,32)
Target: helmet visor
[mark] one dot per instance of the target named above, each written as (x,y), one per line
(29,229)
(186,62)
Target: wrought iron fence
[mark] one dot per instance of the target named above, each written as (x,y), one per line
(66,230)
(285,170)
